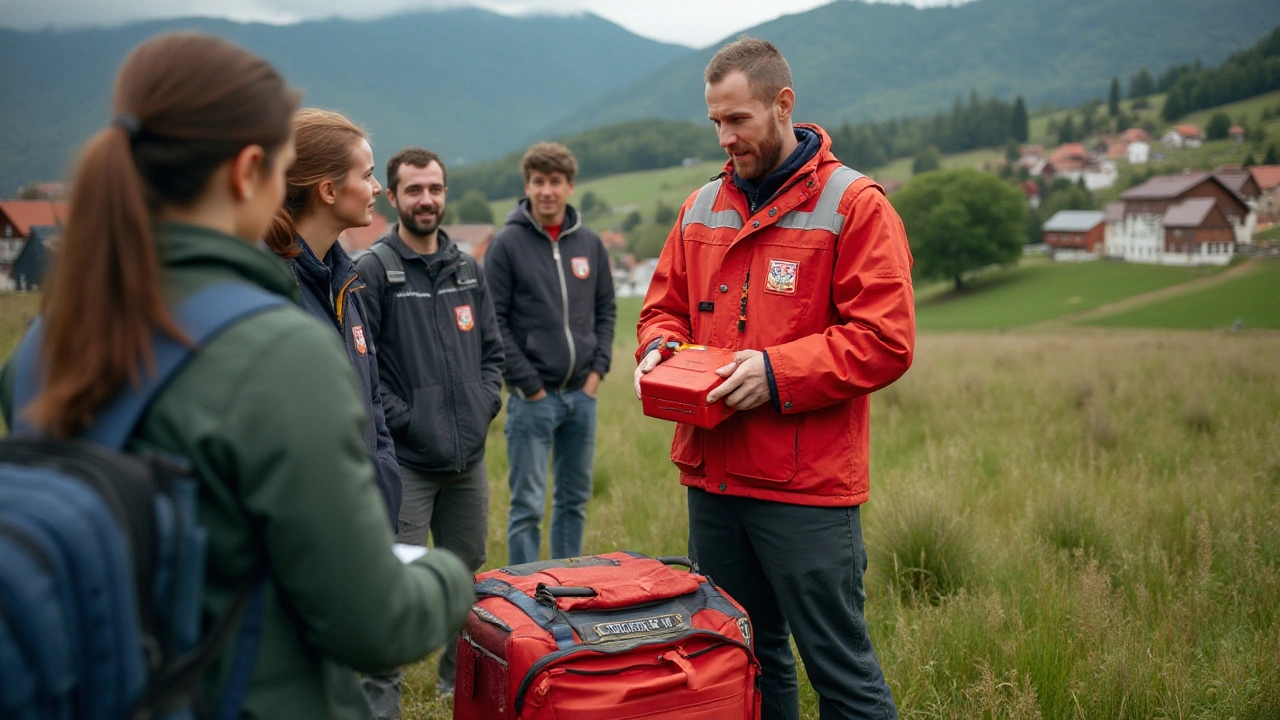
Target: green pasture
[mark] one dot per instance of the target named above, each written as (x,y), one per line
(900,169)
(633,191)
(1040,290)
(1253,299)
(1060,526)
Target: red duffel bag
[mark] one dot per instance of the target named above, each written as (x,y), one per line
(612,636)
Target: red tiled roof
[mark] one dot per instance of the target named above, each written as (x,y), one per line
(1136,135)
(1068,151)
(1188,131)
(26,214)
(1267,176)
(1235,130)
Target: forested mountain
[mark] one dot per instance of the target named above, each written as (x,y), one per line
(855,61)
(468,83)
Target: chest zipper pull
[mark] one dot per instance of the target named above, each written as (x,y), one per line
(742,304)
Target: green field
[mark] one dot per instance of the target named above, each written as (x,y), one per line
(633,191)
(1040,290)
(1253,299)
(1096,520)
(900,169)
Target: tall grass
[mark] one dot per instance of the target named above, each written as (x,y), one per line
(1077,526)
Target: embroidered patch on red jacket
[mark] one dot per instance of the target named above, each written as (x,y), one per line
(782,276)
(466,320)
(581,268)
(357,332)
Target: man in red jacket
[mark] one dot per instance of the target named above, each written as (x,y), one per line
(800,265)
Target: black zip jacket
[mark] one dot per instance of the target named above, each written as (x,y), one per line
(554,302)
(329,290)
(439,354)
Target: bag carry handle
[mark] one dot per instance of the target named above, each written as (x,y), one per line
(547,594)
(684,676)
(681,560)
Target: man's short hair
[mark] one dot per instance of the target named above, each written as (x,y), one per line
(766,70)
(549,157)
(415,156)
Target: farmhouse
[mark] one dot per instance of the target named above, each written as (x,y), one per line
(1190,219)
(1075,234)
(32,264)
(1268,179)
(17,218)
(1183,136)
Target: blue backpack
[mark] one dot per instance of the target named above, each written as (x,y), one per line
(102,561)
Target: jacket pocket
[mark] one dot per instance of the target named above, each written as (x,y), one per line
(686,448)
(762,445)
(473,415)
(429,435)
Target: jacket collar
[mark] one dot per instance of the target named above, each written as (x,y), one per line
(325,276)
(822,156)
(522,214)
(191,247)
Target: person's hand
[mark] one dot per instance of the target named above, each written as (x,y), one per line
(592,387)
(538,395)
(747,385)
(649,362)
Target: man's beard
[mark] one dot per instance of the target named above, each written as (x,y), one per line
(421,229)
(767,157)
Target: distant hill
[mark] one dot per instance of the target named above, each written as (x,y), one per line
(468,83)
(855,61)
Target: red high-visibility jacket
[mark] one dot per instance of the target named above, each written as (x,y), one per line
(826,273)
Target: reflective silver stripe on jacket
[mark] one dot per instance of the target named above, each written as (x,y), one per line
(824,215)
(701,211)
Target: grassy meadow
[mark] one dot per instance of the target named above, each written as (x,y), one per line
(1037,290)
(1083,524)
(1075,522)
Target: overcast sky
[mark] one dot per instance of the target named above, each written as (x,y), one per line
(696,23)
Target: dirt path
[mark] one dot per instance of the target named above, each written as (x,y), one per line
(1244,268)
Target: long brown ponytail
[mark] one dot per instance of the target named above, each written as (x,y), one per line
(325,144)
(183,104)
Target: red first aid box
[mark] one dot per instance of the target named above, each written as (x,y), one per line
(677,389)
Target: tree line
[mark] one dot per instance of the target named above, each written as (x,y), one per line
(1251,72)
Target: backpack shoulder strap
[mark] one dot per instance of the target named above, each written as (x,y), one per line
(202,316)
(391,262)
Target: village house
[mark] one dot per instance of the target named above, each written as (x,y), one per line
(17,218)
(1189,219)
(31,265)
(1183,136)
(1138,152)
(1268,179)
(1073,162)
(1075,234)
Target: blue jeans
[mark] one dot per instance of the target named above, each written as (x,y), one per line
(796,570)
(563,426)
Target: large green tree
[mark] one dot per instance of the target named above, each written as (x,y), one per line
(926,160)
(474,208)
(959,221)
(1218,127)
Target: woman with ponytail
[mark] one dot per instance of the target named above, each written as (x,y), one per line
(171,198)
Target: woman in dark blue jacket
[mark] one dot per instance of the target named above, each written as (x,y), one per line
(331,187)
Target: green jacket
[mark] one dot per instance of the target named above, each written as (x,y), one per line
(269,414)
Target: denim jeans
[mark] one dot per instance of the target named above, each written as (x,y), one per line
(561,425)
(797,570)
